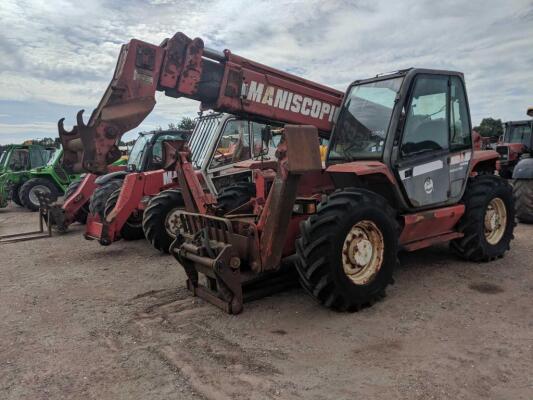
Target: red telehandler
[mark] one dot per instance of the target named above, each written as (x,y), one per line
(400,173)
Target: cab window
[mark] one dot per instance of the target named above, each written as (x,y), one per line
(426,127)
(460,134)
(234,144)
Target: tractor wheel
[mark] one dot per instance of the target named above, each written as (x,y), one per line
(161,222)
(100,196)
(132,229)
(15,195)
(81,215)
(234,196)
(28,192)
(348,249)
(488,221)
(523,195)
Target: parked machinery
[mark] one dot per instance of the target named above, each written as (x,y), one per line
(117,202)
(516,143)
(522,173)
(15,163)
(218,143)
(400,172)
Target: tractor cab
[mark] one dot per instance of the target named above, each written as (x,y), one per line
(23,157)
(221,141)
(147,154)
(517,140)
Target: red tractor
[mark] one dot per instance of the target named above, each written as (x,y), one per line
(118,202)
(401,173)
(517,143)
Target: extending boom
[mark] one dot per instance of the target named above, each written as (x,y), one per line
(183,67)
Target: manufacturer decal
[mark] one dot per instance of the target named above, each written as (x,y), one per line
(168,177)
(428,185)
(288,101)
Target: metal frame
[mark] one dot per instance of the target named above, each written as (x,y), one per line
(44,218)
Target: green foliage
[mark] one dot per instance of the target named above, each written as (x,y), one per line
(490,127)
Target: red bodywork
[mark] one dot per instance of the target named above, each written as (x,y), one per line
(182,67)
(134,194)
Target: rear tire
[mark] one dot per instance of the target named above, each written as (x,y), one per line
(28,192)
(488,221)
(160,221)
(348,249)
(234,196)
(523,196)
(83,212)
(132,229)
(100,196)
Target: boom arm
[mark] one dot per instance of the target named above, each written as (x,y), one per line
(183,67)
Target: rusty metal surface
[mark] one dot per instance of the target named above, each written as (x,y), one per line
(181,68)
(298,153)
(429,227)
(363,168)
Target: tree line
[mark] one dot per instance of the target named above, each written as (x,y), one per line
(185,124)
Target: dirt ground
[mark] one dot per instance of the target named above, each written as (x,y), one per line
(82,321)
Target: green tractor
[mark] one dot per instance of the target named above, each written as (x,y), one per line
(51,178)
(15,162)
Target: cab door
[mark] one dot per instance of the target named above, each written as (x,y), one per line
(423,166)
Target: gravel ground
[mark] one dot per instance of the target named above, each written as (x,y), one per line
(82,321)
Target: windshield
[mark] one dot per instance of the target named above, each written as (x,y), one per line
(2,158)
(204,130)
(364,120)
(137,152)
(519,134)
(54,156)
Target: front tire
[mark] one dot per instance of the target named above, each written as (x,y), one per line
(348,250)
(523,195)
(132,228)
(28,192)
(161,224)
(100,196)
(488,221)
(234,196)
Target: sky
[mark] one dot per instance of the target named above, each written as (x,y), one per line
(58,56)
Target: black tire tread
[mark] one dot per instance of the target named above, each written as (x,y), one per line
(24,192)
(313,263)
(127,231)
(472,246)
(83,212)
(523,195)
(100,196)
(154,218)
(234,196)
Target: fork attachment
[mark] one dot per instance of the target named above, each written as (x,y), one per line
(210,251)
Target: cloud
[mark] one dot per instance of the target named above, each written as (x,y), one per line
(64,52)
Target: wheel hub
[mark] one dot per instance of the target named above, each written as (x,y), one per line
(33,193)
(495,220)
(362,252)
(173,222)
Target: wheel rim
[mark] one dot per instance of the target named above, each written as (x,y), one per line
(495,220)
(173,222)
(33,193)
(362,252)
